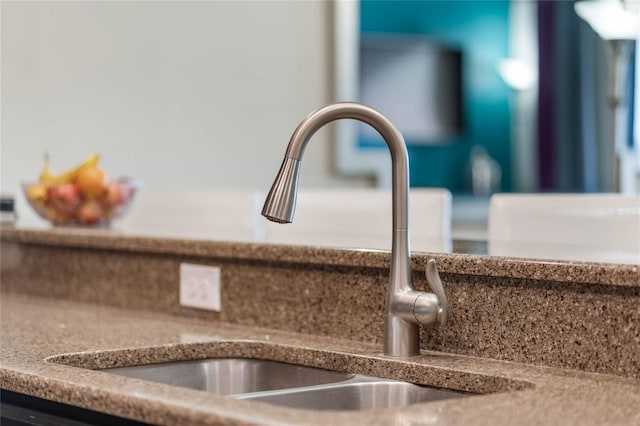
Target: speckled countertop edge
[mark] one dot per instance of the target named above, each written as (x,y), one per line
(492,266)
(111,335)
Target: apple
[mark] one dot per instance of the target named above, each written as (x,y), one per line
(114,195)
(57,217)
(64,198)
(90,212)
(37,193)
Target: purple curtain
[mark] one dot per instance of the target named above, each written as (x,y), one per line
(546,91)
(573,119)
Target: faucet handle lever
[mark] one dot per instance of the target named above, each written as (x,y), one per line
(433,278)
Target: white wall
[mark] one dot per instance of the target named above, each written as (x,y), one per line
(178,94)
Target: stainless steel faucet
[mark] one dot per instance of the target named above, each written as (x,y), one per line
(405,308)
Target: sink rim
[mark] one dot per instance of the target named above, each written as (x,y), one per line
(345,360)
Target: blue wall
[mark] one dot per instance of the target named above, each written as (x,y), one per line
(480,29)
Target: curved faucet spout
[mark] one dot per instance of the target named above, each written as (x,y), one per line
(401,323)
(300,139)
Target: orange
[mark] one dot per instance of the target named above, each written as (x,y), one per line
(90,181)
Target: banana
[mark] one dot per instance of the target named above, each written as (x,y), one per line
(70,175)
(67,176)
(45,175)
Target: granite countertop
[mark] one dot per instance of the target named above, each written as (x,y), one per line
(37,332)
(111,301)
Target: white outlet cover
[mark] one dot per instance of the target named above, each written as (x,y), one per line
(200,286)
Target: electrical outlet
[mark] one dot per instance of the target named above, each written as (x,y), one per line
(200,286)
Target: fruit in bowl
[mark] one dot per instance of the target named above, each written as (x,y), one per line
(80,196)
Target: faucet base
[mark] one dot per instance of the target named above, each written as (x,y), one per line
(401,338)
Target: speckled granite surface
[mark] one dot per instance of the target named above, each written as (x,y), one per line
(36,329)
(529,335)
(565,271)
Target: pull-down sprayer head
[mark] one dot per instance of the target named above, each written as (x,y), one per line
(280,204)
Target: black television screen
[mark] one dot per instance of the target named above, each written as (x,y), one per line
(416,83)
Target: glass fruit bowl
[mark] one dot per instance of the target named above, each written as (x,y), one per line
(65,204)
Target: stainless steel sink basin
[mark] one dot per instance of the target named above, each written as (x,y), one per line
(232,376)
(359,393)
(287,384)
